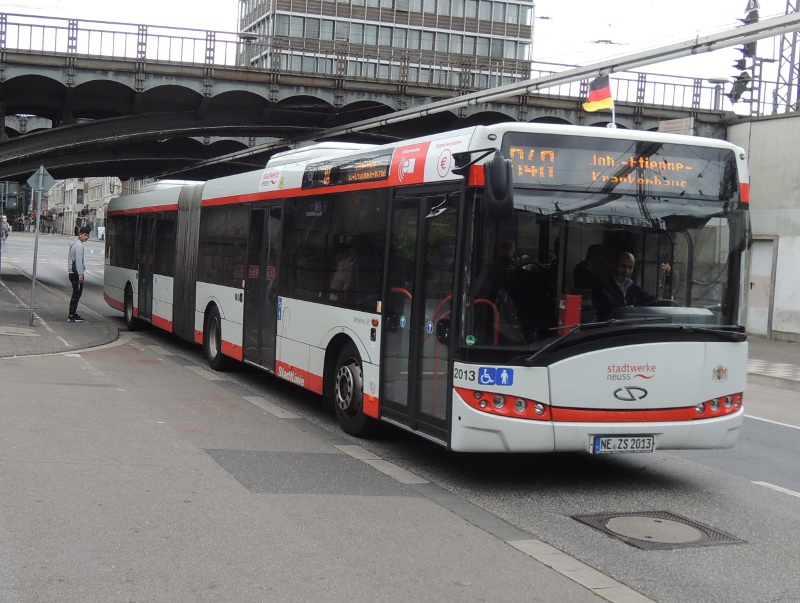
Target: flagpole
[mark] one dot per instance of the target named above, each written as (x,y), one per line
(613,123)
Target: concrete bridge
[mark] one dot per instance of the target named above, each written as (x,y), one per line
(109,99)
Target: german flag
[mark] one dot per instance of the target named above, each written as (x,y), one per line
(599,95)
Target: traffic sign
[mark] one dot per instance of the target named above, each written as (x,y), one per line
(47,181)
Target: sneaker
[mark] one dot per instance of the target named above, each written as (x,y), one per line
(74,318)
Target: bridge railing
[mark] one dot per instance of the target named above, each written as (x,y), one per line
(149,43)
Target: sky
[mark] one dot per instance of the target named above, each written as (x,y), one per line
(574,32)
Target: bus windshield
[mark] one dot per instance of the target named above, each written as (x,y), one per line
(577,251)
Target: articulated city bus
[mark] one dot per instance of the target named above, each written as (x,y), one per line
(504,288)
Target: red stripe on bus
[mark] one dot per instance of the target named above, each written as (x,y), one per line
(232,350)
(117,305)
(162,323)
(576,415)
(298,376)
(144,210)
(371,406)
(293,193)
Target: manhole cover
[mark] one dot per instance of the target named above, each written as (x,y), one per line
(656,530)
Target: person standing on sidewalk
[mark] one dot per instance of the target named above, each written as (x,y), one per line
(76,267)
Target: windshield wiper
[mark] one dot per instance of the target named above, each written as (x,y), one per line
(589,325)
(732,332)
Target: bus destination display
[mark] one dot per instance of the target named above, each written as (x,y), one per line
(613,166)
(351,170)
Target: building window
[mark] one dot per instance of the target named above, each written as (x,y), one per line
(371,35)
(469,45)
(399,38)
(472,9)
(412,43)
(427,40)
(496,46)
(326,29)
(342,33)
(499,12)
(282,25)
(312,29)
(429,6)
(482,47)
(356,33)
(485,10)
(385,36)
(456,43)
(296,26)
(442,42)
(512,14)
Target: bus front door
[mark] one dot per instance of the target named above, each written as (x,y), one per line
(417,312)
(261,286)
(146,247)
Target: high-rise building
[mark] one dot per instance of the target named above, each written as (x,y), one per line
(463,44)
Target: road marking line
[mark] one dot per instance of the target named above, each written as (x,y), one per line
(773,422)
(271,408)
(778,489)
(205,374)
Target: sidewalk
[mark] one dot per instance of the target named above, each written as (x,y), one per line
(50,333)
(772,363)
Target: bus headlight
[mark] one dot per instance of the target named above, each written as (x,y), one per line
(499,402)
(701,408)
(520,405)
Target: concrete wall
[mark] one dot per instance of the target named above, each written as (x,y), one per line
(774,156)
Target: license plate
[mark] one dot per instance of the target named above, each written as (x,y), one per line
(622,444)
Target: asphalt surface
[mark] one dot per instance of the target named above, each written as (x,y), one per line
(298,456)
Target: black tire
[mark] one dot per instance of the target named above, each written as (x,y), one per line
(212,341)
(133,323)
(347,388)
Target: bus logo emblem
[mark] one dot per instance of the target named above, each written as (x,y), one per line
(630,394)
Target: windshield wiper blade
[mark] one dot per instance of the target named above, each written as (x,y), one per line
(589,325)
(732,332)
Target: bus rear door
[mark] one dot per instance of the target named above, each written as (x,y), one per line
(146,246)
(414,391)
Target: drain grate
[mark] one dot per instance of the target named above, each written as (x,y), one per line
(652,530)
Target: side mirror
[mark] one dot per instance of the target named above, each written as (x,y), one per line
(498,187)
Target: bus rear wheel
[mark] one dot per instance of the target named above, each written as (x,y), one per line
(212,341)
(348,393)
(131,321)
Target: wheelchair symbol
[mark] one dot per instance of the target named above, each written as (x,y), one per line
(492,376)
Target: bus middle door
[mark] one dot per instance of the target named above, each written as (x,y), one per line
(261,286)
(420,279)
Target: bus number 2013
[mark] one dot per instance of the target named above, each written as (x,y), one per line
(465,374)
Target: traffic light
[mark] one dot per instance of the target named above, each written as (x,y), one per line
(752,17)
(748,50)
(740,85)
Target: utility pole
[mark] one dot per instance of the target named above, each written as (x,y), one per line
(40,181)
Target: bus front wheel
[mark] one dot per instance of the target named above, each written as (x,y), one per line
(131,321)
(348,393)
(212,341)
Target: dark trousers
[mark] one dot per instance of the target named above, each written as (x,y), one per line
(77,290)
